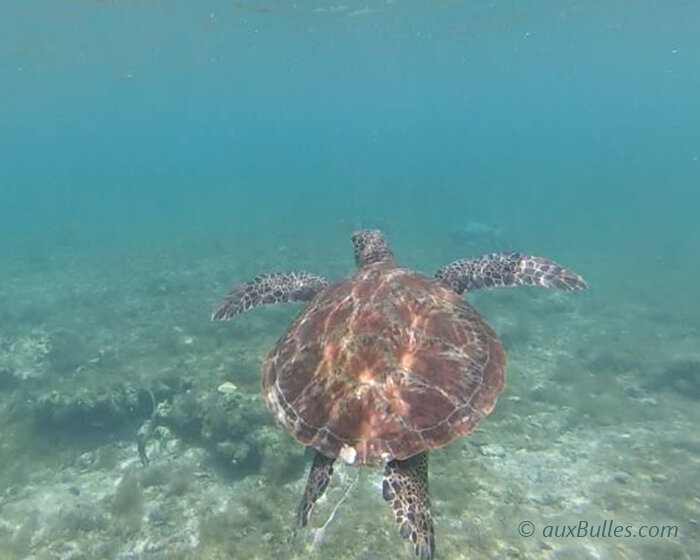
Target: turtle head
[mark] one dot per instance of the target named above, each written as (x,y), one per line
(371,247)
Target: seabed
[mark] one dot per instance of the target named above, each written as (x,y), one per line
(598,422)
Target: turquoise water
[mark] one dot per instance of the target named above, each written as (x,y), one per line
(155,153)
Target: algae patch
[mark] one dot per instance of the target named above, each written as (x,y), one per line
(127,505)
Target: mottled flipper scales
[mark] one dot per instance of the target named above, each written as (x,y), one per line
(508,269)
(406,487)
(276,287)
(319,477)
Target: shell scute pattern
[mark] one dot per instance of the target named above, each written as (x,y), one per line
(388,362)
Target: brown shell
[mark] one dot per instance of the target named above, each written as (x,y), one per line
(383,365)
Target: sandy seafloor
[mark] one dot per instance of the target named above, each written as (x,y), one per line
(598,420)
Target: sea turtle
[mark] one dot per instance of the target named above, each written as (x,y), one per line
(385,365)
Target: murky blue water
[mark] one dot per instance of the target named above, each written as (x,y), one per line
(153,153)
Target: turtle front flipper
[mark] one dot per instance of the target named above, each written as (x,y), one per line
(319,477)
(276,287)
(406,487)
(508,269)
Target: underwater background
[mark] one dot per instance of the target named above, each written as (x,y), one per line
(152,154)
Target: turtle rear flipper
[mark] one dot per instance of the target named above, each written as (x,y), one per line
(276,287)
(319,477)
(508,269)
(406,487)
